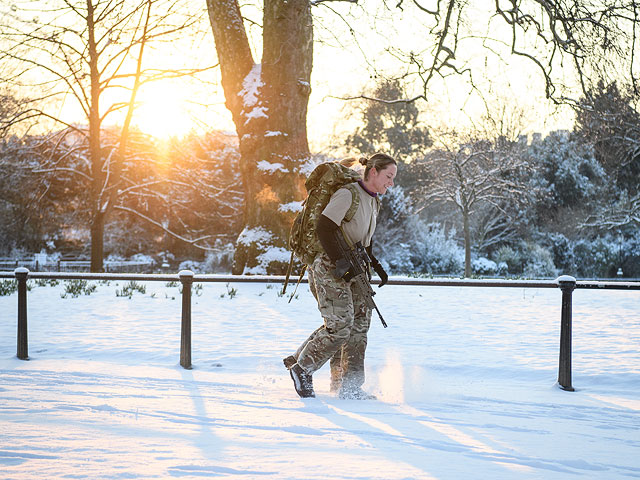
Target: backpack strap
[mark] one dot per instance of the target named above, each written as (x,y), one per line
(355,201)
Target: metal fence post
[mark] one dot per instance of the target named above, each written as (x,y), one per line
(21,274)
(567,284)
(186,277)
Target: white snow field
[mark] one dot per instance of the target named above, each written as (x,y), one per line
(465,379)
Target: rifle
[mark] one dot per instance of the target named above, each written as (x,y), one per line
(359,265)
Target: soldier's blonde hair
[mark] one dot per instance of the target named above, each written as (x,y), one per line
(379,161)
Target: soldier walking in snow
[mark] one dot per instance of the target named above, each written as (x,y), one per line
(343,337)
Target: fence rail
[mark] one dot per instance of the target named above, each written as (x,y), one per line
(565,283)
(62,265)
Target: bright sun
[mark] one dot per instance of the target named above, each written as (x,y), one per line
(163,111)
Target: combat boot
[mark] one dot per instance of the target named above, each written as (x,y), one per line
(302,381)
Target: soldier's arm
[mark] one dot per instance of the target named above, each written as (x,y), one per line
(326,230)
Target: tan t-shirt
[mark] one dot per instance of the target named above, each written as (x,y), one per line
(363,223)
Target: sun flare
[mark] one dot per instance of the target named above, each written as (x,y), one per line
(164,111)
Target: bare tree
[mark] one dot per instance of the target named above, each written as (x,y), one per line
(594,40)
(268,101)
(473,174)
(494,226)
(12,109)
(624,212)
(90,53)
(195,198)
(185,196)
(25,216)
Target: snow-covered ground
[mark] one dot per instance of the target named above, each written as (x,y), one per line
(465,379)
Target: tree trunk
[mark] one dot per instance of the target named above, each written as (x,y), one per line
(97,242)
(95,152)
(467,242)
(268,102)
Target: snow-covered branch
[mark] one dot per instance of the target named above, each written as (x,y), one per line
(191,241)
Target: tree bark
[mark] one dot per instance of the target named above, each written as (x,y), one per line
(95,150)
(467,242)
(97,242)
(268,102)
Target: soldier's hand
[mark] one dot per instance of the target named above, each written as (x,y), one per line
(384,278)
(343,270)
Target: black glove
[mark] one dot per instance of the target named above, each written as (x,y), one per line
(343,270)
(384,278)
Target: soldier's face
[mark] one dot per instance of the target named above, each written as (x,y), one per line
(383,179)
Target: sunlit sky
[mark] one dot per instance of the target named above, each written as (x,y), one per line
(166,109)
(344,65)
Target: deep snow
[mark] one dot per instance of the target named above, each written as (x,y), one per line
(465,379)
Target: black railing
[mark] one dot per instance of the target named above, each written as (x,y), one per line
(74,265)
(565,283)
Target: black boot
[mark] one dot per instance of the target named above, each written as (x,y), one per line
(302,381)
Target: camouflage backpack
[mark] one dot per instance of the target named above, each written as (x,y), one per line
(325,179)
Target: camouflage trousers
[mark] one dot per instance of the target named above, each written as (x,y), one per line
(343,336)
